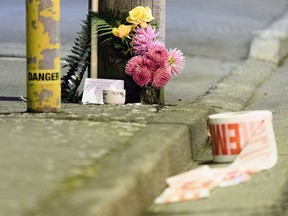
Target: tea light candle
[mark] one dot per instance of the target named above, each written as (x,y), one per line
(114,96)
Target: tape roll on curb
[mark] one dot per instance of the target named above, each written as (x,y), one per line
(232,132)
(246,138)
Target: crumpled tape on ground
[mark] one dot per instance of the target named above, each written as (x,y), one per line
(257,155)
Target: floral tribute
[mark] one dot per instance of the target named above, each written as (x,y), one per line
(150,63)
(129,41)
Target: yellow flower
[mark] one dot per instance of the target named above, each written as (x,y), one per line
(140,16)
(122,31)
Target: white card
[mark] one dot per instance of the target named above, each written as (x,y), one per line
(93,89)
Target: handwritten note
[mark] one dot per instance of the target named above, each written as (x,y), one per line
(93,89)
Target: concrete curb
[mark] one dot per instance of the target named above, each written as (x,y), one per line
(126,181)
(194,116)
(235,90)
(272,44)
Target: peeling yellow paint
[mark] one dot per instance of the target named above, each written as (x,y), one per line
(50,13)
(43,95)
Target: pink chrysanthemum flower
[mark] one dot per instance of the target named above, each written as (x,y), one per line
(158,53)
(176,61)
(143,37)
(140,68)
(132,65)
(161,77)
(145,71)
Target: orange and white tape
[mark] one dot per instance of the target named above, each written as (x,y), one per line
(244,138)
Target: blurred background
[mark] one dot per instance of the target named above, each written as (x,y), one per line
(211,28)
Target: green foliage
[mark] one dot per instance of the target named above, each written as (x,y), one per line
(79,60)
(103,24)
(77,63)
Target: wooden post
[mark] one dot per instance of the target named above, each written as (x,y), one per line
(93,70)
(108,66)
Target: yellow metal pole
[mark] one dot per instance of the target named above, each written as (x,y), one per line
(43,55)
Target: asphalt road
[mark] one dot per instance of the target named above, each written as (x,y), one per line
(13,24)
(198,27)
(219,28)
